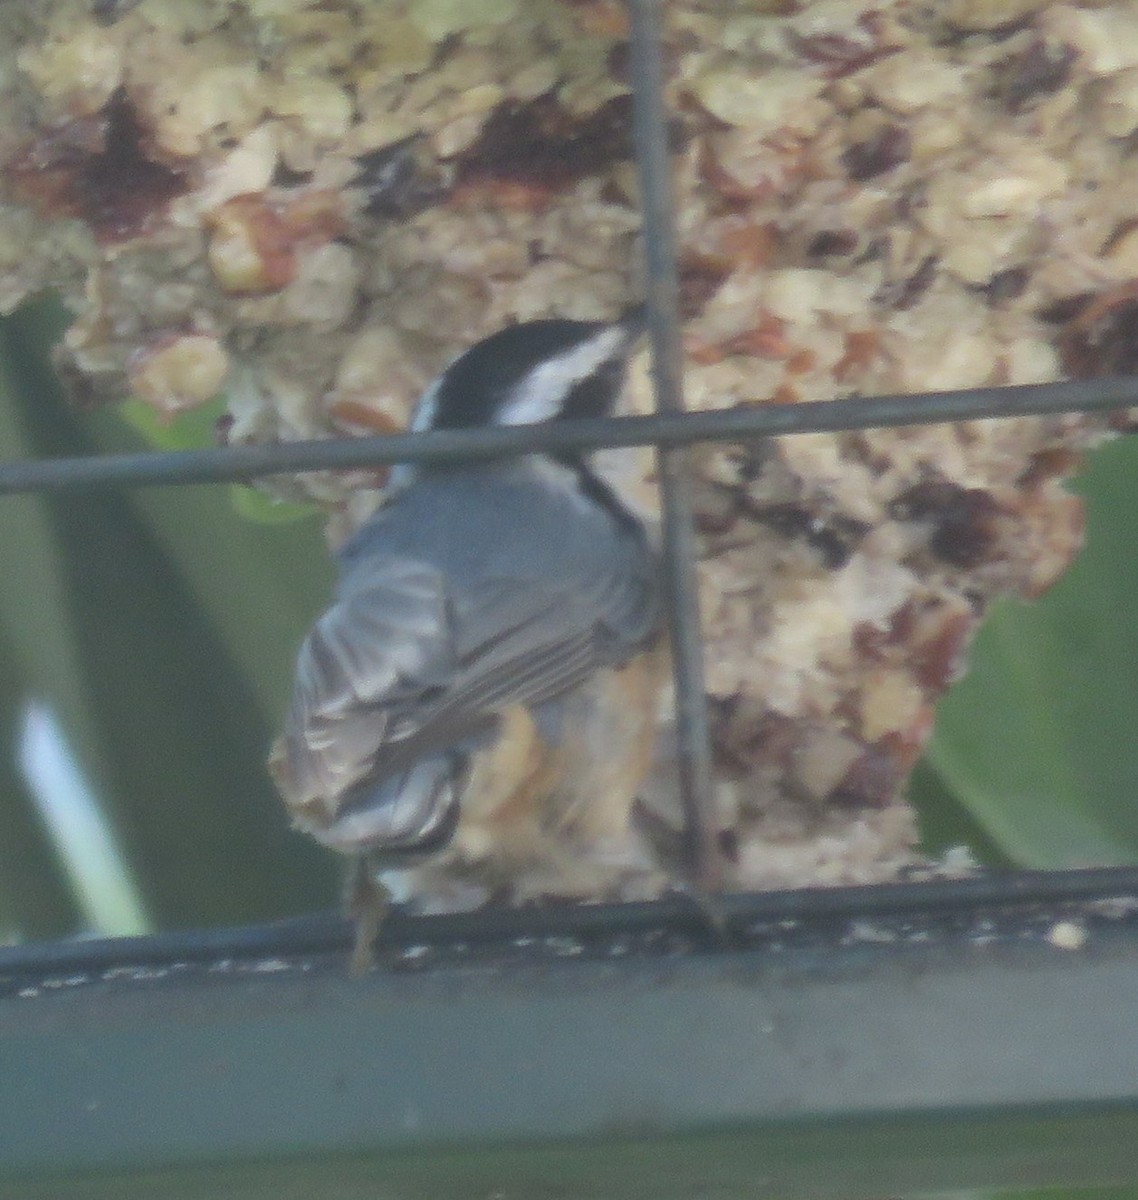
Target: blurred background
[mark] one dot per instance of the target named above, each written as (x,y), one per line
(147,642)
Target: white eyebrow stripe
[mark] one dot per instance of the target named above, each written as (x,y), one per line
(424,415)
(541,393)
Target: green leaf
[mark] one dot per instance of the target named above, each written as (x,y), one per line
(42,635)
(1038,741)
(189,430)
(193,430)
(259,584)
(162,629)
(255,505)
(35,899)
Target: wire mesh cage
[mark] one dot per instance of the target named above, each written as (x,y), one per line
(837,934)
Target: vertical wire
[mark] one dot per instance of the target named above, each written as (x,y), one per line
(650,129)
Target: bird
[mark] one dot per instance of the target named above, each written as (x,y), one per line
(475,711)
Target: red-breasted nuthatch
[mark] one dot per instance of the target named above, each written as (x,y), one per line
(479,702)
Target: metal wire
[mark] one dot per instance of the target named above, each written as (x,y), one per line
(239,464)
(1111,889)
(693,739)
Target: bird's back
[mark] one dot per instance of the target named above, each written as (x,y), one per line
(526,523)
(473,590)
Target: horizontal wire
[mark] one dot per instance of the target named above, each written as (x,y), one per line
(242,463)
(992,895)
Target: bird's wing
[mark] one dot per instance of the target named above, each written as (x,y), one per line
(403,664)
(377,647)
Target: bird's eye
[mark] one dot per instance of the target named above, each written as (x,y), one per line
(594,396)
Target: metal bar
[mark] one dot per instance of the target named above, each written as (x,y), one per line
(467,1058)
(693,736)
(945,900)
(242,463)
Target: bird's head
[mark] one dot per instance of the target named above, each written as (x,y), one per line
(537,371)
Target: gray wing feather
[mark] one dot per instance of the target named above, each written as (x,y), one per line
(377,647)
(401,611)
(414,657)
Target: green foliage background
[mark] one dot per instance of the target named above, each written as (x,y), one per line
(161,627)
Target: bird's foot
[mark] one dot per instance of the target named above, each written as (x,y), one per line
(367,902)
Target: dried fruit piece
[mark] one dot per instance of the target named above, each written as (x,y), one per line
(888,148)
(1036,72)
(964,520)
(540,143)
(1102,339)
(100,170)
